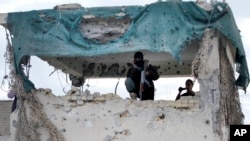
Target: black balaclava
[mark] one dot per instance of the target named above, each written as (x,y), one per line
(138,58)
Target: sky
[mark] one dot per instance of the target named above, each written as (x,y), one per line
(42,76)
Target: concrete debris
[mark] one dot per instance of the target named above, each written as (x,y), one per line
(67,6)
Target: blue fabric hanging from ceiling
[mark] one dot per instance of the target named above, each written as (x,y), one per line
(158,27)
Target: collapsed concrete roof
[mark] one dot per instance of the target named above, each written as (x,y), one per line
(100,41)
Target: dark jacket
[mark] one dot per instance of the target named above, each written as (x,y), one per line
(135,74)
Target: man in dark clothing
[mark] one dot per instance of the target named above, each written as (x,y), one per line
(140,76)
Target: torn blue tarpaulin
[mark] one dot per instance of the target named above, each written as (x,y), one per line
(158,27)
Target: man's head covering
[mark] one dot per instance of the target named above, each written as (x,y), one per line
(138,54)
(138,59)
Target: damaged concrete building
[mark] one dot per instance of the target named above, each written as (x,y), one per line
(179,38)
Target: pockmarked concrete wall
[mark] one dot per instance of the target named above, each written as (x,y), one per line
(5,109)
(108,117)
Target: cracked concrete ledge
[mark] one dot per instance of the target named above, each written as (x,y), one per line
(113,118)
(77,98)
